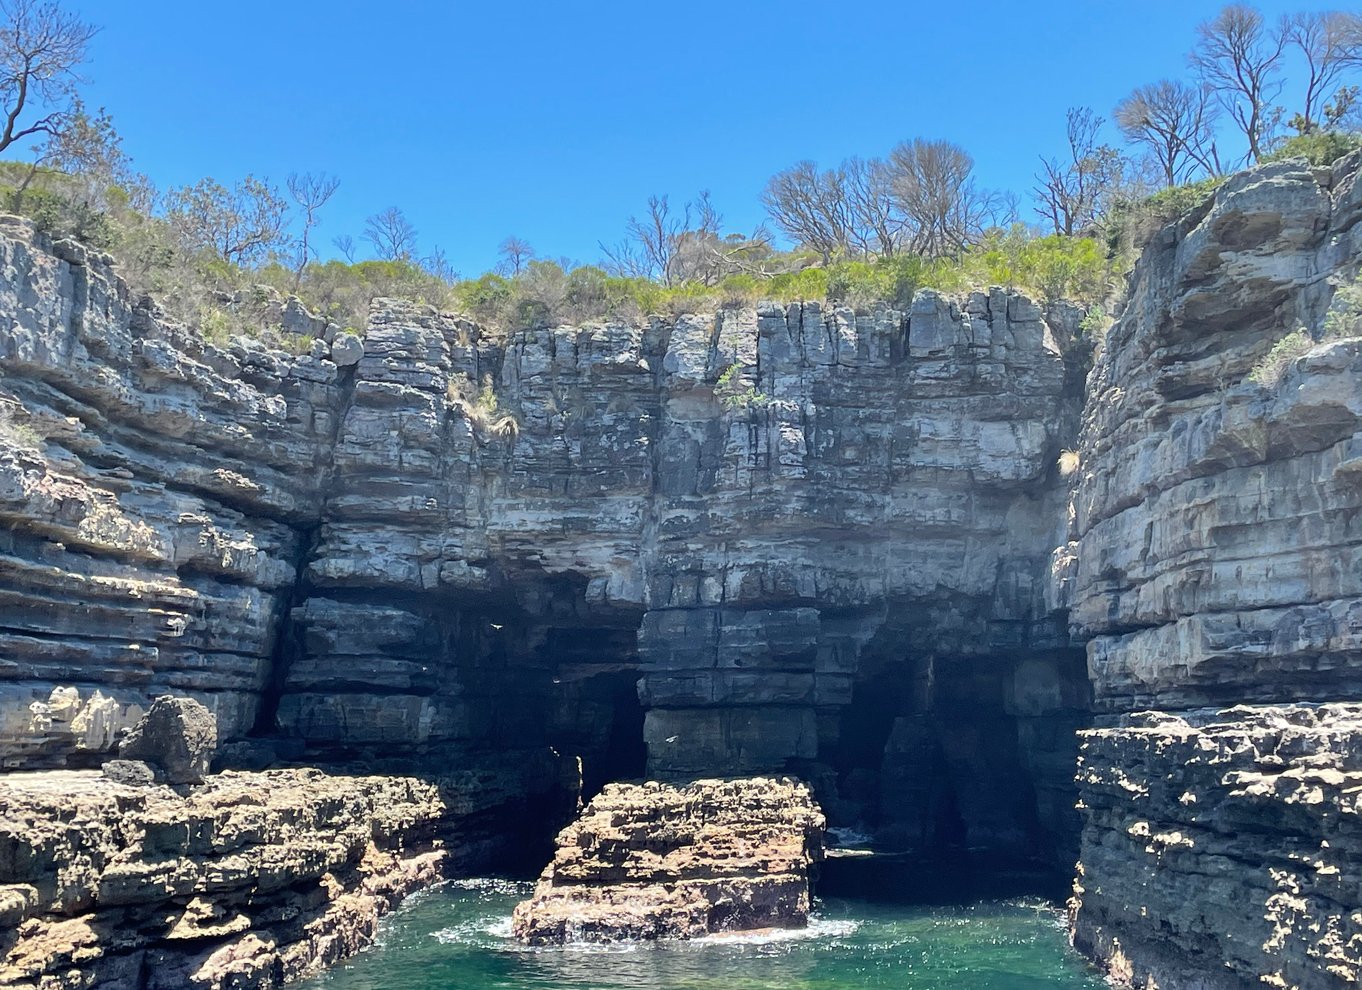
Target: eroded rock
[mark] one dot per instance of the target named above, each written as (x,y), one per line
(248,881)
(652,861)
(177,737)
(1222,849)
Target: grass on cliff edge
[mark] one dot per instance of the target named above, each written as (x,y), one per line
(223,300)
(1047,268)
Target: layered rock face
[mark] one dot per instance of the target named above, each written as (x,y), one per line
(1224,849)
(153,493)
(785,538)
(650,861)
(778,522)
(1213,560)
(248,881)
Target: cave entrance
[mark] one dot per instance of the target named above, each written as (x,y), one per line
(960,770)
(597,716)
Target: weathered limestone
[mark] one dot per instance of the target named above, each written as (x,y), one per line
(652,861)
(246,882)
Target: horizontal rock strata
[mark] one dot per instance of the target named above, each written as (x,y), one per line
(246,882)
(1224,850)
(1213,560)
(770,539)
(652,861)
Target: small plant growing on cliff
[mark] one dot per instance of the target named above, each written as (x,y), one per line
(18,434)
(735,392)
(1271,368)
(1343,319)
(1069,462)
(1095,323)
(480,406)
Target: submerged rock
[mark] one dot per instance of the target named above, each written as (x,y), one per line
(650,861)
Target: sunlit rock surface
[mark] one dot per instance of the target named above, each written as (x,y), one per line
(1213,560)
(652,861)
(246,882)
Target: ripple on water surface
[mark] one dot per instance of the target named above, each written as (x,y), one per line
(459,935)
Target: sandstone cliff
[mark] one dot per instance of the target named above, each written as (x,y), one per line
(790,538)
(797,539)
(1212,560)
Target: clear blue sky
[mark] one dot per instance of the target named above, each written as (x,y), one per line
(555,121)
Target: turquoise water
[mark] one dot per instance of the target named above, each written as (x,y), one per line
(458,936)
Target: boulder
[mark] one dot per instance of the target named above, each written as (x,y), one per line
(346,350)
(133,773)
(177,737)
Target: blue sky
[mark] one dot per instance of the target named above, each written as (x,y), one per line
(554,122)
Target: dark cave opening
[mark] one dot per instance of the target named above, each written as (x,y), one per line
(960,771)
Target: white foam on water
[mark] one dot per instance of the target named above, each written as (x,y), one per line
(849,838)
(493,885)
(500,928)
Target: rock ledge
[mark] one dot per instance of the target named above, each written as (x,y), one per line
(651,861)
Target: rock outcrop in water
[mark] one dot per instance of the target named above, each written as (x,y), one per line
(653,861)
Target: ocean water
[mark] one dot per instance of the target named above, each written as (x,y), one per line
(457,935)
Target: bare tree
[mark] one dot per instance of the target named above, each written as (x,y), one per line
(876,224)
(311,193)
(437,266)
(391,234)
(686,245)
(1330,43)
(242,225)
(345,244)
(810,207)
(40,49)
(515,254)
(1239,58)
(1072,191)
(934,189)
(1173,121)
(649,249)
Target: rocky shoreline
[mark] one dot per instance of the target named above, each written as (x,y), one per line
(1226,843)
(870,573)
(247,881)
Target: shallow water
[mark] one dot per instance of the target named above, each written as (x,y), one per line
(458,935)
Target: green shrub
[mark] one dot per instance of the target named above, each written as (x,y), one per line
(1342,319)
(1133,222)
(736,392)
(1273,366)
(1317,147)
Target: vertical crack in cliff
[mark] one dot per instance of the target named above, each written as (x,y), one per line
(286,642)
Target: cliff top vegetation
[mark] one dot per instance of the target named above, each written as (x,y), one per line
(218,253)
